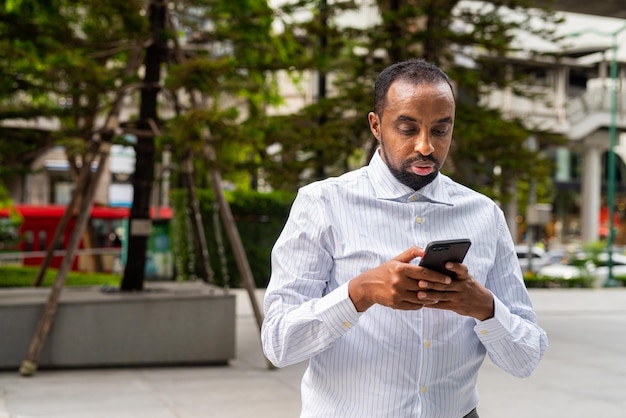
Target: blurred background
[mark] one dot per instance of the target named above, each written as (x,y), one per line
(249,100)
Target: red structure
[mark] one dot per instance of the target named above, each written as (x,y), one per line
(39,223)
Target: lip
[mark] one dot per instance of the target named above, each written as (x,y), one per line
(422,168)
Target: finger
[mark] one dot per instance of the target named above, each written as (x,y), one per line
(431,276)
(430,298)
(459,269)
(409,254)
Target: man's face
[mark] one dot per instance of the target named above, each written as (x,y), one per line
(415,130)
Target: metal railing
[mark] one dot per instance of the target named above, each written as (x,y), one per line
(17,257)
(596,98)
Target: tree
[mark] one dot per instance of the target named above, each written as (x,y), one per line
(73,62)
(223,77)
(147,128)
(220,62)
(62,61)
(213,66)
(457,36)
(69,63)
(325,137)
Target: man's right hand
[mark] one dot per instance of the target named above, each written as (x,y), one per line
(393,283)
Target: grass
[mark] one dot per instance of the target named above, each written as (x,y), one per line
(12,276)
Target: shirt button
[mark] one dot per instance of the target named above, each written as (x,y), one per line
(423,389)
(484,332)
(419,219)
(427,344)
(347,324)
(413,198)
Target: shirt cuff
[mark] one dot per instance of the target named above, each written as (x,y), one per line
(496,328)
(337,311)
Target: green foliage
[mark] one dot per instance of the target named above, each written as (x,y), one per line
(61,60)
(244,202)
(259,218)
(205,75)
(11,276)
(326,137)
(331,135)
(10,224)
(584,261)
(484,141)
(228,68)
(585,280)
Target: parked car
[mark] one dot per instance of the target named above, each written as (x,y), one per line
(537,261)
(557,255)
(577,268)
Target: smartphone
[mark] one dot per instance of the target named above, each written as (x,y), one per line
(438,253)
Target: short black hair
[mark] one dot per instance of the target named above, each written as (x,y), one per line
(416,71)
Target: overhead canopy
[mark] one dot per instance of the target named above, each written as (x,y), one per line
(606,8)
(583,51)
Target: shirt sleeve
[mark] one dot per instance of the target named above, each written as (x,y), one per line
(513,339)
(303,316)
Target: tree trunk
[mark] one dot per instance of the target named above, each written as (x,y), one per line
(140,223)
(321,82)
(197,224)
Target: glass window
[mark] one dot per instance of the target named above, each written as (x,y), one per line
(29,239)
(42,238)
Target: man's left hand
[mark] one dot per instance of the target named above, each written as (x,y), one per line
(463,295)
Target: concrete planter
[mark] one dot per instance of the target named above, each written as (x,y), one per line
(167,324)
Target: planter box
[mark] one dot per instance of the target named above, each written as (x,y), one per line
(167,324)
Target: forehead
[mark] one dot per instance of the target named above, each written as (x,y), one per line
(405,96)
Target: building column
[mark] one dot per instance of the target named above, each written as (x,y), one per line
(560,96)
(591,192)
(510,213)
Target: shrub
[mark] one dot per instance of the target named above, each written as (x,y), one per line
(259,218)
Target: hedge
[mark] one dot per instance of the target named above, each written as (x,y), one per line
(259,217)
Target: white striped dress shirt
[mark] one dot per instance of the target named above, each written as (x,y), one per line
(386,362)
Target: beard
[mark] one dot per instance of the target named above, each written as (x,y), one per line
(405,176)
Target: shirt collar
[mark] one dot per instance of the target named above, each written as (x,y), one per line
(387,187)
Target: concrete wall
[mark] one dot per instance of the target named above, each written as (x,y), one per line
(168,324)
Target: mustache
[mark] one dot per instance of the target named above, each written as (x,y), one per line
(420,157)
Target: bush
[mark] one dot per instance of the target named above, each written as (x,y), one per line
(584,279)
(259,218)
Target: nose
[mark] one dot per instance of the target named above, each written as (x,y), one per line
(423,145)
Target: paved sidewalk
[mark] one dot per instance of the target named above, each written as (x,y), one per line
(582,375)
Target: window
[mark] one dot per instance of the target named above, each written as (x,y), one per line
(42,238)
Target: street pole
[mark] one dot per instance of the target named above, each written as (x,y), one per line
(611,156)
(611,162)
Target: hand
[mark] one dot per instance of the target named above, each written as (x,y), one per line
(464,295)
(395,284)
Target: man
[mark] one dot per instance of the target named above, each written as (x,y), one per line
(385,337)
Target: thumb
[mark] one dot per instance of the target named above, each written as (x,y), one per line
(409,254)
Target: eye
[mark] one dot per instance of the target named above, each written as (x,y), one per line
(407,129)
(441,131)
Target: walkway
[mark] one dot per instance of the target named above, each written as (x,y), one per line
(582,375)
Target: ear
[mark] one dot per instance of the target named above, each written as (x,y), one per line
(374,124)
